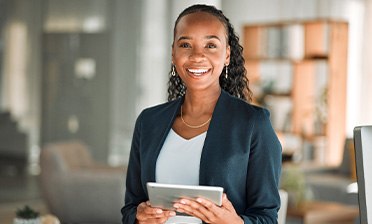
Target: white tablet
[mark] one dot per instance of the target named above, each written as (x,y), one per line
(164,195)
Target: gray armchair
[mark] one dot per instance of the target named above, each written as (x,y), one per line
(331,184)
(77,189)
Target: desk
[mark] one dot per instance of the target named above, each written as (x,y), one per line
(317,212)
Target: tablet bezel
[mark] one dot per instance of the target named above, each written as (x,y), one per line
(164,195)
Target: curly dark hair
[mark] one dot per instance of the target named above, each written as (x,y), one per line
(236,83)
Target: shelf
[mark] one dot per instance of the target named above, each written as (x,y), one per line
(298,70)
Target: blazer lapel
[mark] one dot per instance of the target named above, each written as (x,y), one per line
(215,139)
(160,134)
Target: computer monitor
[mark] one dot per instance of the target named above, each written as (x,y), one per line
(363,156)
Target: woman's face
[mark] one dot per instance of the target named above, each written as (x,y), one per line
(200,50)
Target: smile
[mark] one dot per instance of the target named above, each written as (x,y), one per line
(198,72)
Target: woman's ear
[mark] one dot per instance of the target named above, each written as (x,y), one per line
(172,46)
(172,53)
(228,52)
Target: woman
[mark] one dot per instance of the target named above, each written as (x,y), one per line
(207,134)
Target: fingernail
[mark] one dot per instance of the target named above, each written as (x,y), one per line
(176,206)
(172,213)
(159,211)
(183,202)
(199,200)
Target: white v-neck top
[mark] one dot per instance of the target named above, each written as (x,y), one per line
(179,163)
(179,159)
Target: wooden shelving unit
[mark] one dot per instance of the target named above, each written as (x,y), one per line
(298,69)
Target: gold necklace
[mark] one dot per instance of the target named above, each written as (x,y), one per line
(194,126)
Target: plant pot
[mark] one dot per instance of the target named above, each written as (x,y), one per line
(26,221)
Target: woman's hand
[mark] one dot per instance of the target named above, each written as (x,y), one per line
(208,211)
(147,214)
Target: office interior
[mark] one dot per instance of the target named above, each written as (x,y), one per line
(75,74)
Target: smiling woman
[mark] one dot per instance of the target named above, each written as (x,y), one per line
(234,80)
(200,51)
(207,134)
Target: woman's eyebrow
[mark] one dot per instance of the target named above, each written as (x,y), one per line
(184,38)
(207,37)
(213,37)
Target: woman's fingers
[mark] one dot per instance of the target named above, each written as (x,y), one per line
(226,203)
(208,211)
(147,214)
(200,208)
(194,208)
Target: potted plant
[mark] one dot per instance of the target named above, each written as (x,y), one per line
(293,181)
(27,215)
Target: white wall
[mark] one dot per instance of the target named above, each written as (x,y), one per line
(153,55)
(251,11)
(179,5)
(366,90)
(127,17)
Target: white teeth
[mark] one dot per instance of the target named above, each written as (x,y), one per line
(198,71)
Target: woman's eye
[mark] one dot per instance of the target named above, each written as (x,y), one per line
(185,45)
(211,46)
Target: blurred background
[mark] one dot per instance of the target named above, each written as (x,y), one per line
(84,69)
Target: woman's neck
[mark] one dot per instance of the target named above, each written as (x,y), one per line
(200,102)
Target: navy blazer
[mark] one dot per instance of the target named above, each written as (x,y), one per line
(241,153)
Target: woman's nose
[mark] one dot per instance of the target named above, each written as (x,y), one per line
(197,55)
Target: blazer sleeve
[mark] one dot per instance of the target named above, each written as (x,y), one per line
(264,168)
(134,194)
